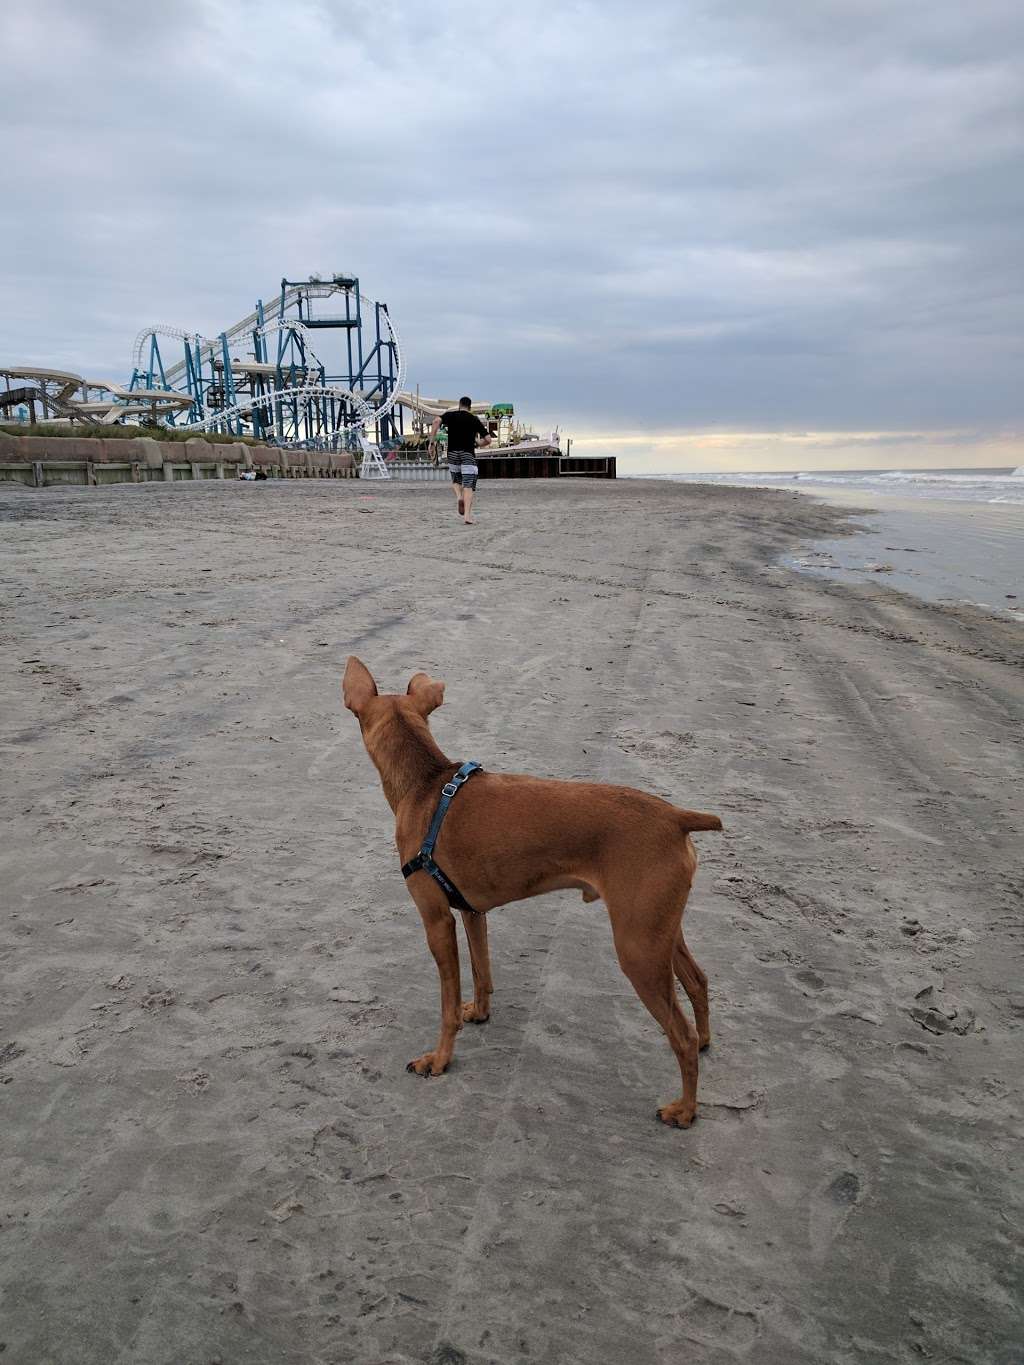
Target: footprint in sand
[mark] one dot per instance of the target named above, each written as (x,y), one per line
(662,745)
(195,1082)
(719,1324)
(831,1209)
(811,980)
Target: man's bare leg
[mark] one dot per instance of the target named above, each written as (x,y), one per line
(457,490)
(468,494)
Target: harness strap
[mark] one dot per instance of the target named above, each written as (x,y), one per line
(424,860)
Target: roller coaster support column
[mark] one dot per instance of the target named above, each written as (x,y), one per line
(234,423)
(262,421)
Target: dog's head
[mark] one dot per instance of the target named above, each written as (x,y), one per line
(370,707)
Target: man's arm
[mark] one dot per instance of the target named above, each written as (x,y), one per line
(484,433)
(435,428)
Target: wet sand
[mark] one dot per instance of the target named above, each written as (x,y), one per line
(211,975)
(949,552)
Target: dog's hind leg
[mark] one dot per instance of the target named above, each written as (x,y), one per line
(695,983)
(439,923)
(478,1010)
(647,960)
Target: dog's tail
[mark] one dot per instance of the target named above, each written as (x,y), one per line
(693,820)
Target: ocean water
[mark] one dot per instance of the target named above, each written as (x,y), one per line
(945,535)
(1003,485)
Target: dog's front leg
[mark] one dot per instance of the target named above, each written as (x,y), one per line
(478,1010)
(439,923)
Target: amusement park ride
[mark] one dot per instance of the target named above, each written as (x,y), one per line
(316,368)
(264,376)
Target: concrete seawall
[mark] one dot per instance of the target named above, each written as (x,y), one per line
(46,461)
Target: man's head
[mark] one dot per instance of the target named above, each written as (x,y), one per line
(466,403)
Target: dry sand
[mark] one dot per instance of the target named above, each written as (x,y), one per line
(212,975)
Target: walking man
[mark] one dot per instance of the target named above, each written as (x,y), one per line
(463,429)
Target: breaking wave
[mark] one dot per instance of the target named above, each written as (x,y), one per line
(957,485)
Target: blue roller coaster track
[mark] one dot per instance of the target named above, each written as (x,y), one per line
(318,364)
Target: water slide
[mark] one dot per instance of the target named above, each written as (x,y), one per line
(433,407)
(55,399)
(55,390)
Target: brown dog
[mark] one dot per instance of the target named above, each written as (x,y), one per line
(508,837)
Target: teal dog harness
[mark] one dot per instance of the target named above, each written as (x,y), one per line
(424,860)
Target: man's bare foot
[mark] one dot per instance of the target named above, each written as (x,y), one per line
(469,521)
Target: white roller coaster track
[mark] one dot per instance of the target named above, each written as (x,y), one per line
(306,393)
(300,330)
(251,323)
(247,324)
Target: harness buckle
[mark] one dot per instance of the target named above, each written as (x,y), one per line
(449,789)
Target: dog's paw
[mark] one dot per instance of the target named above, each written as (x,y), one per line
(426,1065)
(677,1115)
(473,1014)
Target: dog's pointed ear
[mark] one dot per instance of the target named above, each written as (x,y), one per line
(357,687)
(425,692)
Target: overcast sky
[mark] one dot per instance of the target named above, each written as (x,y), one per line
(769,233)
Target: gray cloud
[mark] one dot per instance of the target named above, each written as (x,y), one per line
(659,217)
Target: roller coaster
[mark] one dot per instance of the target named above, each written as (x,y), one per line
(317,368)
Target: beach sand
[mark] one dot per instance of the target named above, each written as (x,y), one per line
(211,974)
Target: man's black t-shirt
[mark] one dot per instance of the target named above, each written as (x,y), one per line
(463,429)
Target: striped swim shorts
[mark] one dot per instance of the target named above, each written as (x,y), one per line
(463,468)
